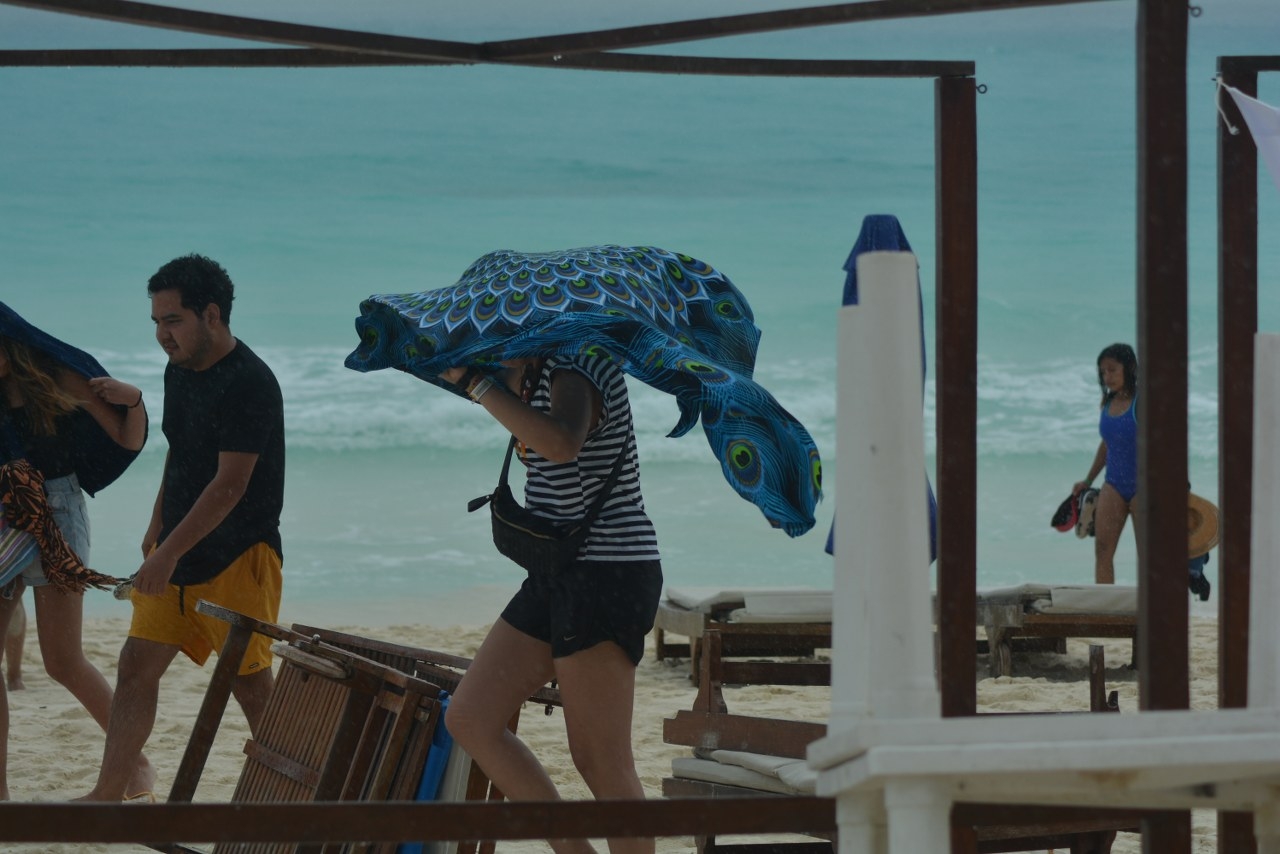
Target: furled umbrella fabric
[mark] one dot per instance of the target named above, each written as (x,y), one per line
(668,320)
(883,233)
(26,508)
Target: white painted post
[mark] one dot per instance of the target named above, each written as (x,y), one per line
(919,813)
(1266,828)
(1264,579)
(883,631)
(862,822)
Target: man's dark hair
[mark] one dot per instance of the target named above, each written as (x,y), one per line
(199,280)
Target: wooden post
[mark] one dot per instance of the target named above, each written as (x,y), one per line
(1237,324)
(1163,655)
(956,373)
(1162,358)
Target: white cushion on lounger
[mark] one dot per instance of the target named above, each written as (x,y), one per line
(784,606)
(746,615)
(708,599)
(1090,599)
(1010,595)
(710,771)
(780,775)
(794,773)
(1066,598)
(798,606)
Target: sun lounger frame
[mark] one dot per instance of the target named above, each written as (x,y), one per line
(979,828)
(1012,618)
(742,640)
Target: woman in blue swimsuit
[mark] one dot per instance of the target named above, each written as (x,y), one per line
(1117,453)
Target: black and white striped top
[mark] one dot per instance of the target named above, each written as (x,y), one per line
(565,491)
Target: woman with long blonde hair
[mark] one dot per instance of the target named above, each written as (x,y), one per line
(80,428)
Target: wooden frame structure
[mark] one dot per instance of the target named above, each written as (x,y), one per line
(1161,39)
(1237,325)
(982,828)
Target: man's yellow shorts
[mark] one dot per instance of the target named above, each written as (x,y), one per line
(250,585)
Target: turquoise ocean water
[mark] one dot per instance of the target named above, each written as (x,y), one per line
(316,188)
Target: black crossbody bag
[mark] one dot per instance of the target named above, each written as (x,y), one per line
(530,540)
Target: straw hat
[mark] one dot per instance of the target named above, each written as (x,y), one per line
(1202,525)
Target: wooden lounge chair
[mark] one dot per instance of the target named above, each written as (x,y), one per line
(710,727)
(791,622)
(340,725)
(1050,614)
(795,623)
(441,669)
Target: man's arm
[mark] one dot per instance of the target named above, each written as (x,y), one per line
(211,508)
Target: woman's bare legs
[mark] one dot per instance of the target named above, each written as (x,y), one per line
(15,638)
(597,686)
(508,667)
(7,607)
(1108,524)
(59,624)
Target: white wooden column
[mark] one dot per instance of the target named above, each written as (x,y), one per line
(883,632)
(862,823)
(1264,577)
(1266,827)
(919,815)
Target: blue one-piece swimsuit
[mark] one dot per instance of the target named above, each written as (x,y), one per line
(1120,432)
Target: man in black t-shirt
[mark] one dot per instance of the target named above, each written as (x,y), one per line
(215,527)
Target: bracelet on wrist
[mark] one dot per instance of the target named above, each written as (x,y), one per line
(469,379)
(139,402)
(479,389)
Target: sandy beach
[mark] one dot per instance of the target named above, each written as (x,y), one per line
(55,747)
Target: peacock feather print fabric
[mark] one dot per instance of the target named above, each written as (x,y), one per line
(669,320)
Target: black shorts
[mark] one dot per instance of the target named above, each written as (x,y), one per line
(589,602)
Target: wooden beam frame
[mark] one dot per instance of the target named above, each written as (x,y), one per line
(517,50)
(634,62)
(1161,297)
(1237,326)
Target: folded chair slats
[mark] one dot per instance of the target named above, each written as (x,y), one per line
(350,718)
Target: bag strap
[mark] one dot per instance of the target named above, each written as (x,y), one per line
(596,506)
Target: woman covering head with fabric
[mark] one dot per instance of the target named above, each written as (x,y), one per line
(542,341)
(1117,453)
(67,425)
(584,624)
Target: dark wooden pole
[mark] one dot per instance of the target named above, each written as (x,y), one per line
(956,153)
(1162,378)
(1237,325)
(1162,353)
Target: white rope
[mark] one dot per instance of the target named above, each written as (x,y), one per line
(1235,131)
